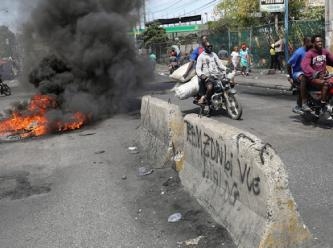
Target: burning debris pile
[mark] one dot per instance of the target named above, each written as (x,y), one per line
(89,68)
(40,117)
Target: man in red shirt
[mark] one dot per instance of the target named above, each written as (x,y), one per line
(314,65)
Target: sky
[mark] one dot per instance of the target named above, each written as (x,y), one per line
(9,13)
(156,9)
(14,12)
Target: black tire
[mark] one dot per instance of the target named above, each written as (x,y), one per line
(234,108)
(308,117)
(6,90)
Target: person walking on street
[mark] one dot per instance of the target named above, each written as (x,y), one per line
(279,52)
(244,60)
(296,76)
(152,58)
(234,57)
(273,57)
(314,66)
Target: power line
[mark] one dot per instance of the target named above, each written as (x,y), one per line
(166,8)
(183,5)
(176,2)
(186,4)
(205,6)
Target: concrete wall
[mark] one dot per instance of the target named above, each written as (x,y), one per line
(242,183)
(161,131)
(239,180)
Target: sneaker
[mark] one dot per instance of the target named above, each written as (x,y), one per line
(305,107)
(297,110)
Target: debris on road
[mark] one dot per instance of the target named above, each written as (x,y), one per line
(194,241)
(143,171)
(99,152)
(87,134)
(133,149)
(175,217)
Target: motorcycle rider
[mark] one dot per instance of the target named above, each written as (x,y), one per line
(296,75)
(314,66)
(208,64)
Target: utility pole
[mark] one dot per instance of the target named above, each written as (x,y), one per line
(329,24)
(286,29)
(144,13)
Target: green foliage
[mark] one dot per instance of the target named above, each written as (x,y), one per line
(239,13)
(314,13)
(154,34)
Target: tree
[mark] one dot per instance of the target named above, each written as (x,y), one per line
(314,13)
(154,34)
(239,13)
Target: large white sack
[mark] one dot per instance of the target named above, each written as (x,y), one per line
(224,62)
(178,74)
(188,89)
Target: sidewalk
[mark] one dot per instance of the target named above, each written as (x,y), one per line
(257,78)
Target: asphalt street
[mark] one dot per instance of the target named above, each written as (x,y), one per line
(83,189)
(304,147)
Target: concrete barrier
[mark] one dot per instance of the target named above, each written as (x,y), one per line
(242,183)
(161,131)
(239,180)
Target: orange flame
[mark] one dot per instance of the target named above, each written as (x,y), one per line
(34,122)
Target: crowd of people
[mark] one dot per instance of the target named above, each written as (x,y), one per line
(306,67)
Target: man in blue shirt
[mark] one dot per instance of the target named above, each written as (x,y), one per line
(296,76)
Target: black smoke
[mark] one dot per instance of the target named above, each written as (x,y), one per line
(88,54)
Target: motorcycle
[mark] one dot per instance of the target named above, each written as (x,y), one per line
(223,98)
(319,110)
(4,89)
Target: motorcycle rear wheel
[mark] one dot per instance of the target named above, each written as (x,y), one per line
(234,108)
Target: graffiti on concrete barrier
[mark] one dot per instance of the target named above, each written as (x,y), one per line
(226,170)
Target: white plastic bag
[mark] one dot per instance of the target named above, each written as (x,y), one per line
(188,89)
(178,74)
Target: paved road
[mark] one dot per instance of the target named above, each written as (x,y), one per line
(304,148)
(81,189)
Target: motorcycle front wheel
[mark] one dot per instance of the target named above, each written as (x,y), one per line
(234,108)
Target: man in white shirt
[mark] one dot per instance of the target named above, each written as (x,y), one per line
(208,64)
(279,52)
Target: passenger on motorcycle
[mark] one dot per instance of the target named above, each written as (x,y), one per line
(314,66)
(296,76)
(195,54)
(208,64)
